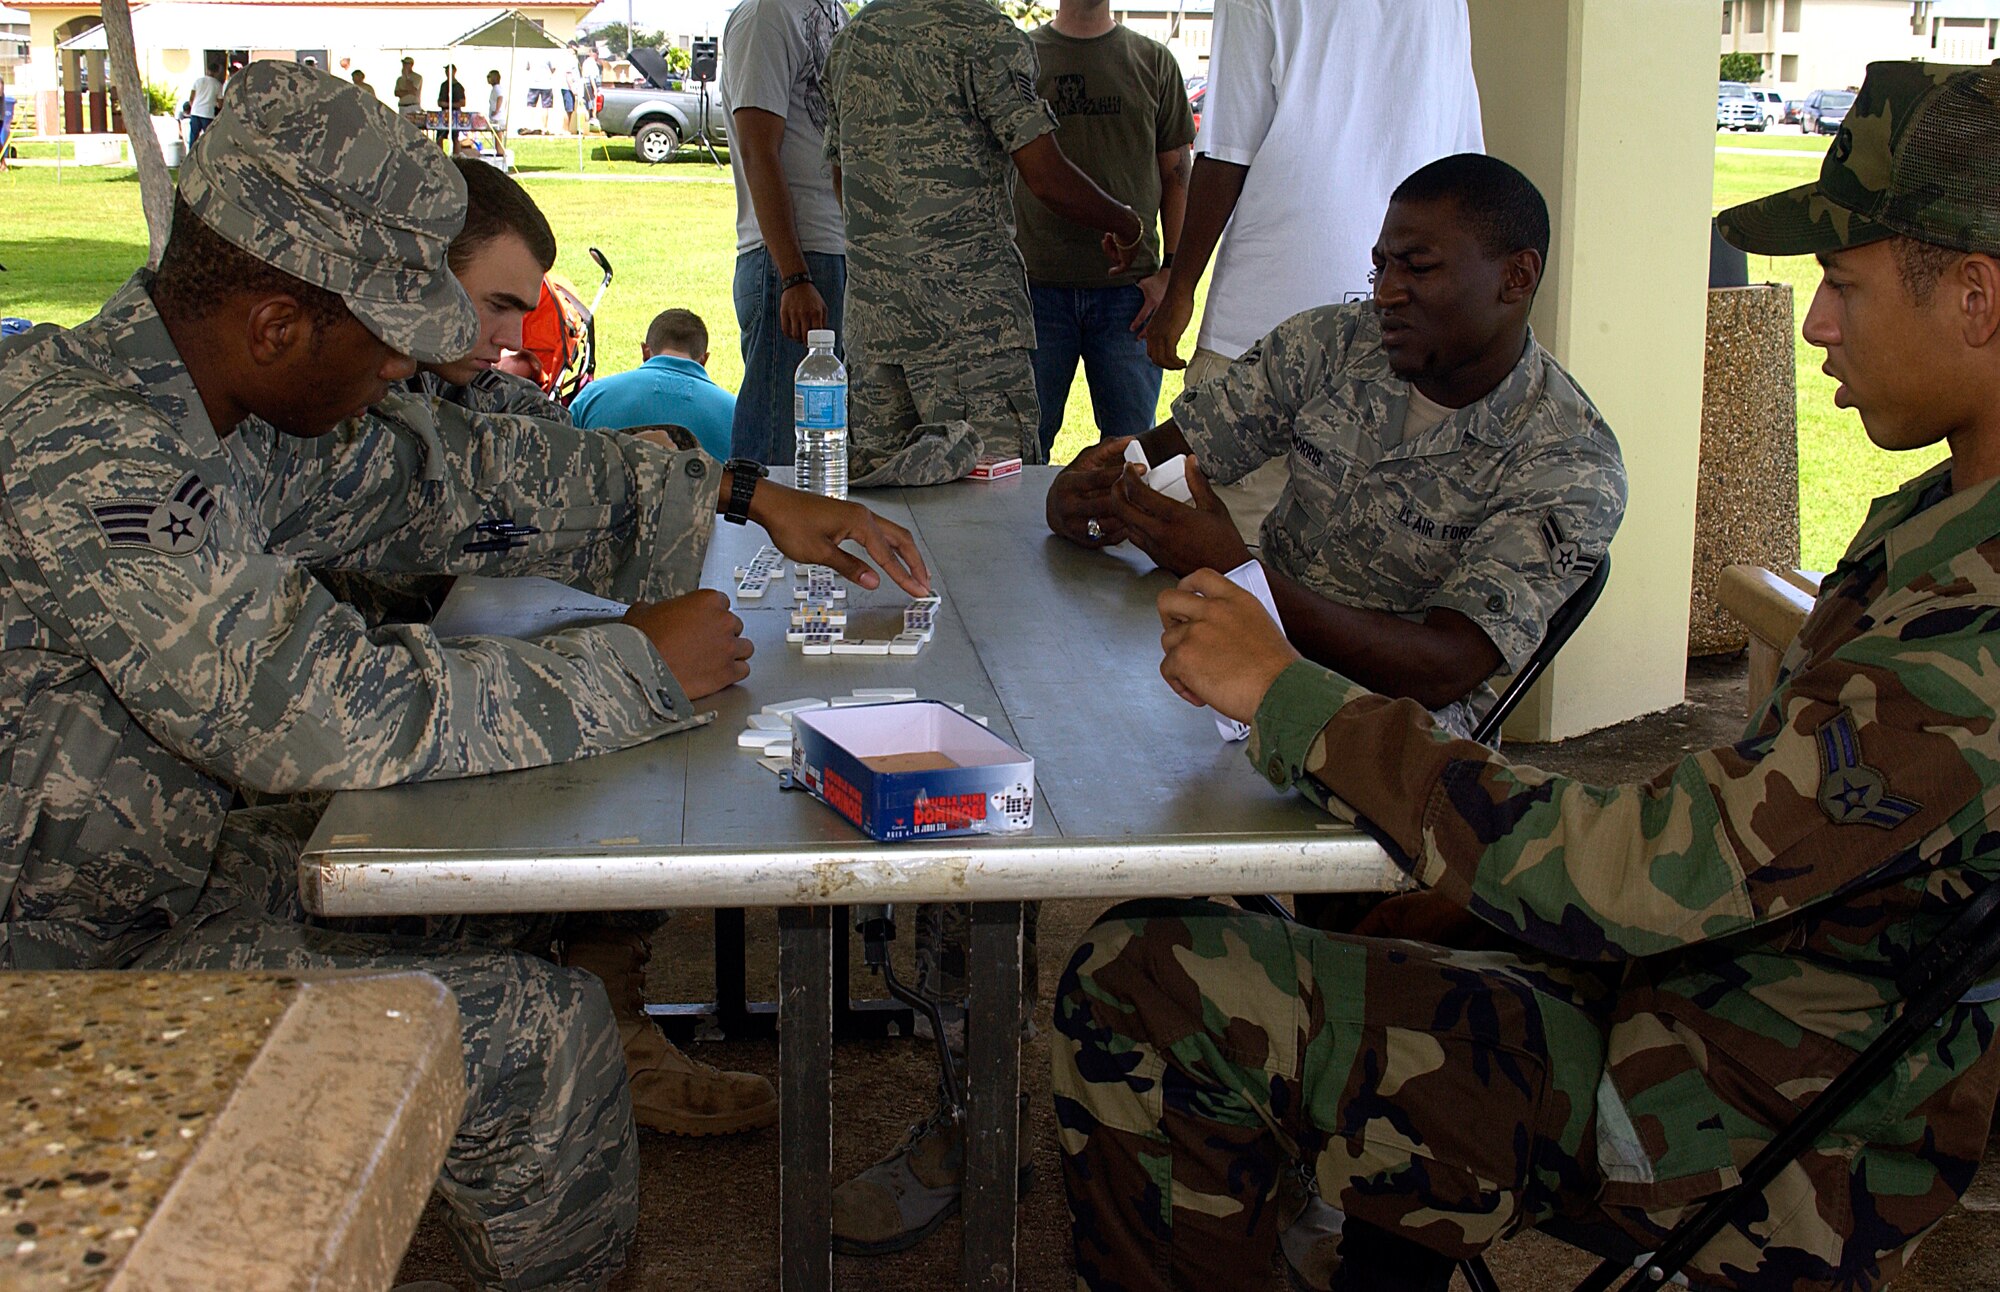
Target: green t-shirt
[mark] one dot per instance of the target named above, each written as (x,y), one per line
(1121,103)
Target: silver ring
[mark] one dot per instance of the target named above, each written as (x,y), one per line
(1094,528)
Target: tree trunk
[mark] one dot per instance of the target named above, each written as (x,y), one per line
(156,186)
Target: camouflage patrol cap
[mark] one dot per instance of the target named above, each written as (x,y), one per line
(1916,156)
(320,179)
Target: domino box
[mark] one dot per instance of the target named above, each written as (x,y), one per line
(914,770)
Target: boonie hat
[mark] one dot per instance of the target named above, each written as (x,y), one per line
(1918,155)
(313,177)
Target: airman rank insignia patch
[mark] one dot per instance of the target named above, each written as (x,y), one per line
(1564,554)
(1850,791)
(174,527)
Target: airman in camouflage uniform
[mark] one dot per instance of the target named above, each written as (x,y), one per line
(1500,512)
(164,644)
(1494,509)
(927,102)
(1687,961)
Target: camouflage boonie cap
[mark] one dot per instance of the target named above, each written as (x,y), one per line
(318,178)
(1917,156)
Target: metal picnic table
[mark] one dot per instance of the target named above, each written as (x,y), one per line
(1136,796)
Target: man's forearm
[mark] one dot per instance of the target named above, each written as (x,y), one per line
(1057,182)
(1434,661)
(759,136)
(1173,201)
(1211,200)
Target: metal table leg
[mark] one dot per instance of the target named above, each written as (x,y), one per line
(993,1064)
(736,1017)
(805,1099)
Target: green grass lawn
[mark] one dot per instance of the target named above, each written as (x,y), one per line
(68,244)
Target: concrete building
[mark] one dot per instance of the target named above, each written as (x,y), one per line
(13,42)
(1808,45)
(342,36)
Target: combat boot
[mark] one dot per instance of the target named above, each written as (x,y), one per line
(671,1093)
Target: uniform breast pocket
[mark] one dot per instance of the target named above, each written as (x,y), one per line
(1413,531)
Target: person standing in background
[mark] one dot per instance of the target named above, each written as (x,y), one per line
(199,109)
(593,78)
(566,80)
(1316,111)
(1126,124)
(791,246)
(410,92)
(496,102)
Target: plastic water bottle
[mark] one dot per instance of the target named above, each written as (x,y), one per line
(819,412)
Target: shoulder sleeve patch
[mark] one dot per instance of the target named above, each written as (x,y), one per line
(176,526)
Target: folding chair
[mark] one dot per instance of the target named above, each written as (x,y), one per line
(1957,969)
(1562,625)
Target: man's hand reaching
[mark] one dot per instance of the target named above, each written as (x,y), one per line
(810,529)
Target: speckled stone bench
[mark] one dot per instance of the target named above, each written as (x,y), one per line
(220,1130)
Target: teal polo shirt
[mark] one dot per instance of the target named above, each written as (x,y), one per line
(664,389)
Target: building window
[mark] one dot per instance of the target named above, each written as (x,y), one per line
(1728,16)
(1789,69)
(1792,8)
(1753,17)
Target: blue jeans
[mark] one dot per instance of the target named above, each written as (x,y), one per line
(196,125)
(1093,324)
(763,426)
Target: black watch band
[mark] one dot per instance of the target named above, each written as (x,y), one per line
(743,473)
(799,279)
(1167,261)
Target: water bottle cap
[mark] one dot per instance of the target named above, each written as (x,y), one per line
(820,338)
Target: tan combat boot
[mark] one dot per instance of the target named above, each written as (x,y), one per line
(671,1093)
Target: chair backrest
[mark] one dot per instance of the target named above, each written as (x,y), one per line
(1564,622)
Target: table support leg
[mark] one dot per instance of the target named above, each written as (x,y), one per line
(993,1062)
(805,1099)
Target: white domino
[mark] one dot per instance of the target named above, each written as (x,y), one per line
(906,644)
(762,739)
(886,692)
(768,722)
(786,708)
(818,646)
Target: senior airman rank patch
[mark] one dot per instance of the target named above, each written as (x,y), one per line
(1850,791)
(174,527)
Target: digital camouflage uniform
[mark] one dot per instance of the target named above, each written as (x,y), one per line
(492,391)
(165,649)
(927,101)
(1499,512)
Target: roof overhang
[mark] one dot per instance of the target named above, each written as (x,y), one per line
(306,26)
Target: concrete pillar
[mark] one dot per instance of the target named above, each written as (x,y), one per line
(1605,105)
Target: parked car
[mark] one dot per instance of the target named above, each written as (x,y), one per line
(1735,109)
(1772,104)
(1825,110)
(1196,97)
(1792,110)
(661,115)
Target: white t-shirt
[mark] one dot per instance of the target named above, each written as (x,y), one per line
(774,58)
(1331,104)
(202,96)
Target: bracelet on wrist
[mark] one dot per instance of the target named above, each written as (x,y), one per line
(800,279)
(1167,260)
(1137,238)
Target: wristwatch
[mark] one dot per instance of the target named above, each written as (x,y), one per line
(743,473)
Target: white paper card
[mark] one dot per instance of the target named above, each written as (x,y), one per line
(1250,577)
(479,606)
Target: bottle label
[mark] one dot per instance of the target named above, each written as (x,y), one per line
(820,408)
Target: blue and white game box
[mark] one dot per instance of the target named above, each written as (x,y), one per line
(914,770)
